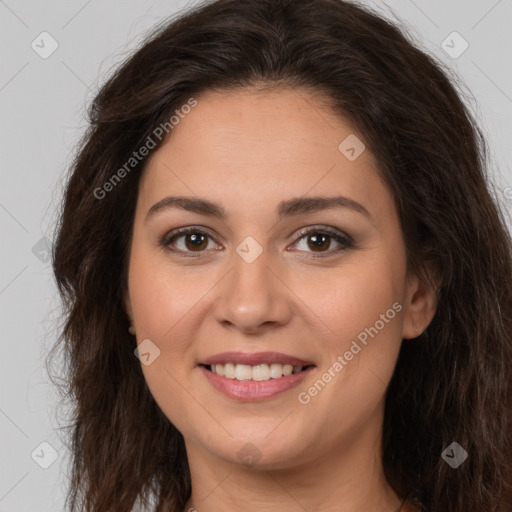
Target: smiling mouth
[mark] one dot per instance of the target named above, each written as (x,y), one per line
(257,373)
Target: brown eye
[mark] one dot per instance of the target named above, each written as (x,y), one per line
(320,240)
(195,241)
(187,240)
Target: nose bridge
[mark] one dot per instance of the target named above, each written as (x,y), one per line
(252,295)
(250,268)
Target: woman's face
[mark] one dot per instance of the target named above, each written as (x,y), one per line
(276,273)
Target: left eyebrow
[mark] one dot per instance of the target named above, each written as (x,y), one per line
(287,208)
(300,205)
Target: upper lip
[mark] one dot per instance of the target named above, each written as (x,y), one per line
(254,359)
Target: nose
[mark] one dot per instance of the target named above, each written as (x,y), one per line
(253,297)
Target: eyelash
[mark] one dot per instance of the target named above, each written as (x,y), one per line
(345,241)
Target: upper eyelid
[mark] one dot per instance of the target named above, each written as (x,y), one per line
(315,228)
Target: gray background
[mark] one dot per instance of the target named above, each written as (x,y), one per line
(42,104)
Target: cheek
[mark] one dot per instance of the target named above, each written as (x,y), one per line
(360,307)
(162,303)
(161,297)
(353,297)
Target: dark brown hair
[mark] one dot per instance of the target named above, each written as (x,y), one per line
(452,384)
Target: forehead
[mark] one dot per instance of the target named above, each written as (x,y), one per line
(258,126)
(255,147)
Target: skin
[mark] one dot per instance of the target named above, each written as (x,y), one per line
(248,150)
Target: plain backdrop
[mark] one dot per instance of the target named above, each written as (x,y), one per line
(44,90)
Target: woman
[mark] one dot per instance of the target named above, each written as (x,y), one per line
(286,281)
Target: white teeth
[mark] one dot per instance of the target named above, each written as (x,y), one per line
(243,372)
(257,373)
(276,370)
(260,372)
(229,370)
(287,369)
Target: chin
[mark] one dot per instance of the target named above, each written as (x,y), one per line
(259,452)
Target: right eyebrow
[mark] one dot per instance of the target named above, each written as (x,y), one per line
(191,204)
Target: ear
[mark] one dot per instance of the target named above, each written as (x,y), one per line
(420,305)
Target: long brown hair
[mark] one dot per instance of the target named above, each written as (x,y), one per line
(451,384)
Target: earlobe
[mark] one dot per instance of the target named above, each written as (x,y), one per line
(129,313)
(420,306)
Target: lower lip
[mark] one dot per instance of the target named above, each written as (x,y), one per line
(252,391)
